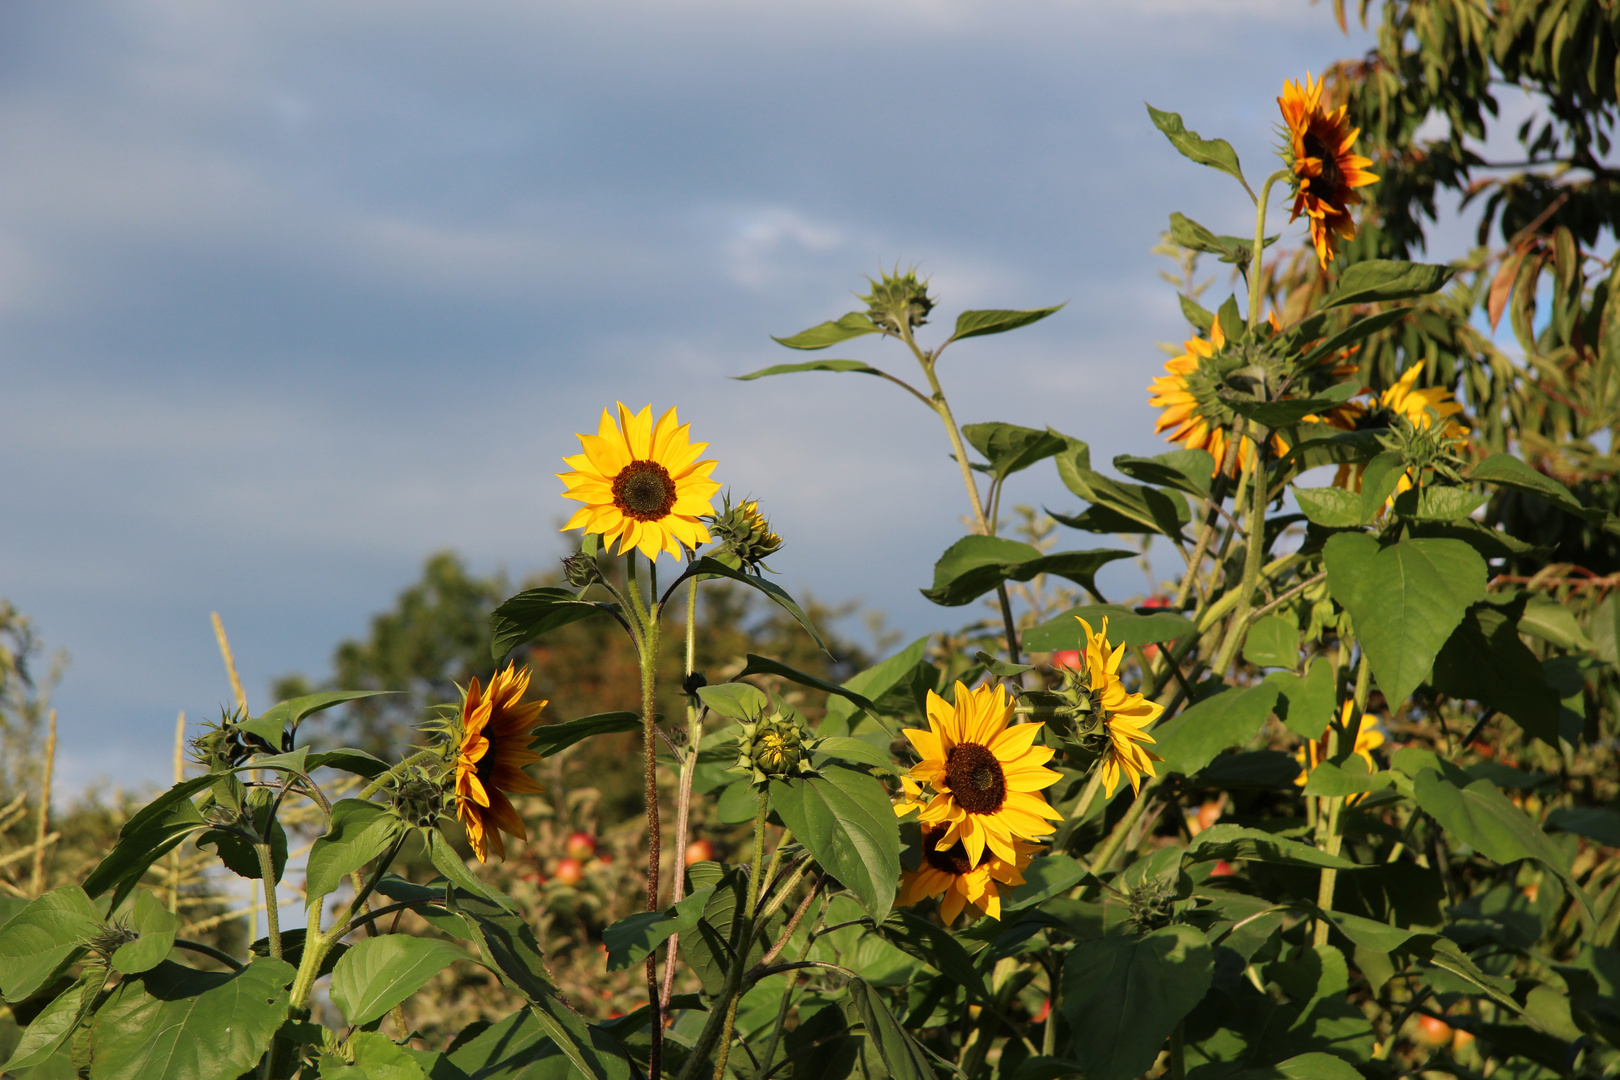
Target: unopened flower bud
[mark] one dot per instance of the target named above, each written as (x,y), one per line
(581,570)
(745,534)
(898,301)
(775,747)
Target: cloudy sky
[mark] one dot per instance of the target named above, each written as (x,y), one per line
(293,294)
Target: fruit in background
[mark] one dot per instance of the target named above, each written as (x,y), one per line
(1433,1031)
(699,851)
(580,845)
(535,877)
(568,872)
(1223,869)
(1046,1010)
(1460,1040)
(1066,658)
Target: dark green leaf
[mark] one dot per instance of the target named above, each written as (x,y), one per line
(1505,470)
(156,927)
(845,821)
(378,973)
(978,323)
(1232,842)
(536,611)
(632,938)
(934,946)
(1154,509)
(55,1025)
(1216,153)
(176,1023)
(242,857)
(873,683)
(1332,508)
(810,365)
(1234,250)
(1349,777)
(1186,470)
(1375,280)
(706,565)
(903,1058)
(1485,659)
(1289,411)
(271,724)
(1406,599)
(974,565)
(448,863)
(360,832)
(1191,740)
(1272,641)
(1123,997)
(852,325)
(43,937)
(1125,627)
(1010,448)
(1312,1066)
(349,760)
(1353,333)
(761,665)
(1259,769)
(555,738)
(1592,822)
(1044,878)
(155,830)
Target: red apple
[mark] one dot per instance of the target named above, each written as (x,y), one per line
(1433,1031)
(699,851)
(1223,869)
(568,872)
(535,877)
(1066,658)
(580,845)
(1460,1040)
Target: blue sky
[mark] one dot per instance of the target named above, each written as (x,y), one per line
(293,294)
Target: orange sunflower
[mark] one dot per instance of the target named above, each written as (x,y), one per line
(963,881)
(642,484)
(495,734)
(1326,173)
(986,776)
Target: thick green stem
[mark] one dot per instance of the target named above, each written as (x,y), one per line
(272,910)
(740,961)
(1260,244)
(646,619)
(1255,474)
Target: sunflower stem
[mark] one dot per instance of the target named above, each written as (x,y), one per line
(683,798)
(1255,475)
(1116,839)
(741,959)
(1260,244)
(646,620)
(272,911)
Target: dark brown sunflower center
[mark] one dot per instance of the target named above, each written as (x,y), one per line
(975,777)
(1328,181)
(644,491)
(953,860)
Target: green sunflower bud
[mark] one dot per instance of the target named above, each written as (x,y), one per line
(745,534)
(775,747)
(1152,906)
(221,746)
(110,937)
(419,795)
(581,570)
(898,301)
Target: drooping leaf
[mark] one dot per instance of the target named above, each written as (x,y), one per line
(1046,876)
(1593,822)
(242,857)
(1216,153)
(155,830)
(1353,333)
(1505,470)
(552,739)
(378,973)
(1374,280)
(845,821)
(873,684)
(632,938)
(978,323)
(1406,599)
(1155,509)
(974,565)
(41,938)
(1198,733)
(902,1056)
(1123,996)
(55,1025)
(1186,470)
(935,946)
(1125,627)
(763,665)
(853,325)
(176,1023)
(537,611)
(349,760)
(1431,503)
(361,831)
(1233,842)
(1010,448)
(277,720)
(1235,250)
(1485,659)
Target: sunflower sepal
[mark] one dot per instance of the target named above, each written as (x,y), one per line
(774,746)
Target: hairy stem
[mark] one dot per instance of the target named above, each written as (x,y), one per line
(646,619)
(272,910)
(683,796)
(741,959)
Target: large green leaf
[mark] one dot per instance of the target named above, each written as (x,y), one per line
(1480,816)
(1374,280)
(521,1047)
(902,1056)
(936,947)
(1272,641)
(873,683)
(1009,448)
(1505,470)
(1195,736)
(1216,153)
(1353,333)
(1406,599)
(176,1023)
(978,323)
(1125,627)
(1308,701)
(1232,842)
(1332,508)
(554,738)
(155,927)
(42,937)
(1123,996)
(1151,509)
(361,831)
(706,565)
(274,722)
(378,973)
(155,830)
(1186,470)
(376,1057)
(810,365)
(845,821)
(1486,660)
(1592,822)
(1313,1066)
(824,334)
(633,937)
(57,1022)
(533,612)
(764,665)
(974,565)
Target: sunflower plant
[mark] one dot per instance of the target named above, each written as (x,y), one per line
(1335,783)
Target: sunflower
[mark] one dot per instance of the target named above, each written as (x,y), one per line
(495,731)
(641,484)
(1194,413)
(985,774)
(963,881)
(1367,739)
(1125,716)
(1326,173)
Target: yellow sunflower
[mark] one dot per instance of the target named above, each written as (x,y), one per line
(495,733)
(1326,173)
(1125,716)
(985,775)
(1368,739)
(1194,415)
(964,881)
(642,484)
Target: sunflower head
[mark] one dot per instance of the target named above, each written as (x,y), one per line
(1325,173)
(642,484)
(745,534)
(492,748)
(774,747)
(221,746)
(898,301)
(1190,393)
(1123,717)
(963,881)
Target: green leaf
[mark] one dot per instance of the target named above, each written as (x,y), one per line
(56,1024)
(349,760)
(737,700)
(508,946)
(376,1057)
(1592,822)
(43,937)
(1193,738)
(522,1047)
(631,939)
(1551,621)
(1272,641)
(1216,153)
(974,565)
(902,1056)
(1482,817)
(1505,470)
(853,325)
(378,973)
(1332,508)
(762,665)
(1289,411)
(1123,997)
(1232,249)
(978,323)
(273,723)
(1431,503)
(361,831)
(1125,627)
(845,821)
(155,830)
(1485,659)
(810,365)
(1185,470)
(240,856)
(1010,448)
(448,863)
(857,751)
(707,565)
(1375,280)
(936,947)
(1406,599)
(1347,777)
(1351,334)
(533,612)
(1044,878)
(555,738)
(156,927)
(175,1023)
(1313,1066)
(873,683)
(1233,842)
(1154,509)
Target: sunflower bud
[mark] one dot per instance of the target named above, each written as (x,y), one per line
(745,534)
(775,747)
(898,301)
(221,746)
(419,795)
(581,570)
(109,938)
(1152,905)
